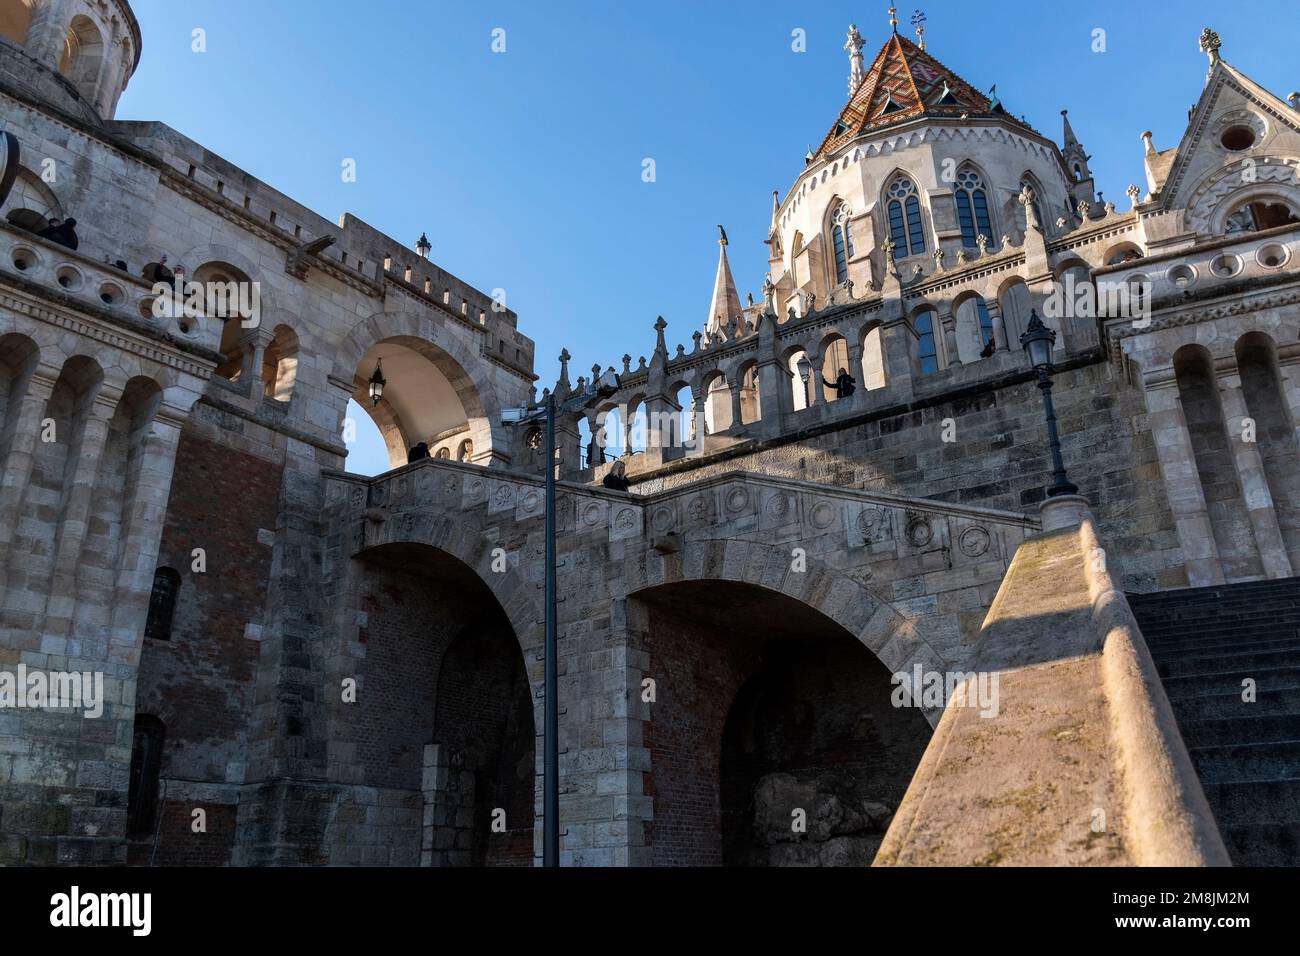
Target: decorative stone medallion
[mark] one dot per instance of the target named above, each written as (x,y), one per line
(973,542)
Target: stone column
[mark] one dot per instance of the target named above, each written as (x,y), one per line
(1254,481)
(142,528)
(74,523)
(17,469)
(255,344)
(999,326)
(855,369)
(1182,480)
(948,322)
(774,396)
(735,403)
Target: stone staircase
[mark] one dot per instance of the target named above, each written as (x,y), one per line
(1205,642)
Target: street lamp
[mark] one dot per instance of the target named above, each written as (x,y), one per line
(1038,341)
(423,246)
(602,387)
(805,372)
(377,382)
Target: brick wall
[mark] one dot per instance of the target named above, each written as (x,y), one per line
(200,683)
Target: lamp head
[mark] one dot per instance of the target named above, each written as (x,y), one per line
(1038,341)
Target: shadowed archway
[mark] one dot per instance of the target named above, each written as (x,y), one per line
(767,710)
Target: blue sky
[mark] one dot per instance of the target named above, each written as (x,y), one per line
(524,167)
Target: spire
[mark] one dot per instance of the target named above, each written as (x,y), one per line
(724,310)
(776,213)
(854,45)
(1069,137)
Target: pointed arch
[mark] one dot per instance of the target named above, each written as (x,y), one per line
(904,216)
(974,211)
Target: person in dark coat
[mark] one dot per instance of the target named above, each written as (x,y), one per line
(64,233)
(988,350)
(844,384)
(417,452)
(617,478)
(161,273)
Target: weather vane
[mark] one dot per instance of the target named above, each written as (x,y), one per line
(918,24)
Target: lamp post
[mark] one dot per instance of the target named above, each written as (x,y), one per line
(423,246)
(602,387)
(805,372)
(1038,341)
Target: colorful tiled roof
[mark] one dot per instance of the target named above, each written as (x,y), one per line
(903,83)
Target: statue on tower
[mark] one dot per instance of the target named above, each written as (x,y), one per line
(854,45)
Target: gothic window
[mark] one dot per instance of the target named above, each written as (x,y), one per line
(904,207)
(927,351)
(162,604)
(972,208)
(842,238)
(146,767)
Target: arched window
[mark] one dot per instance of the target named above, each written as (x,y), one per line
(972,208)
(146,767)
(905,228)
(842,238)
(162,604)
(1254,216)
(926,350)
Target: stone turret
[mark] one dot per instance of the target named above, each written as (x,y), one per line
(88,50)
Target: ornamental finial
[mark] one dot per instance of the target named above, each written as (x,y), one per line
(918,24)
(893,18)
(1210,44)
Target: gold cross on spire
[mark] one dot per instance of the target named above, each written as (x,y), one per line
(893,18)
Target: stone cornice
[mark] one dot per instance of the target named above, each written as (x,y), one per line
(1123,328)
(43,305)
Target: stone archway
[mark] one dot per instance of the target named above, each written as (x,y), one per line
(443,392)
(444,717)
(774,738)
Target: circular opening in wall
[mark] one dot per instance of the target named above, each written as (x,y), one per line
(24,258)
(69,278)
(1182,276)
(110,294)
(1237,138)
(1225,266)
(1272,256)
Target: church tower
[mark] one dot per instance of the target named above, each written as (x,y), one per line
(1076,163)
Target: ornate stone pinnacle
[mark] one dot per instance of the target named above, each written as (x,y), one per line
(1210,44)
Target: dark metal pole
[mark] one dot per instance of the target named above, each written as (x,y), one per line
(1060,482)
(551,744)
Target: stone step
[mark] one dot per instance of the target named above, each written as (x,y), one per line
(1243,803)
(1277,760)
(1210,646)
(1244,729)
(1263,844)
(1224,681)
(1227,706)
(1244,662)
